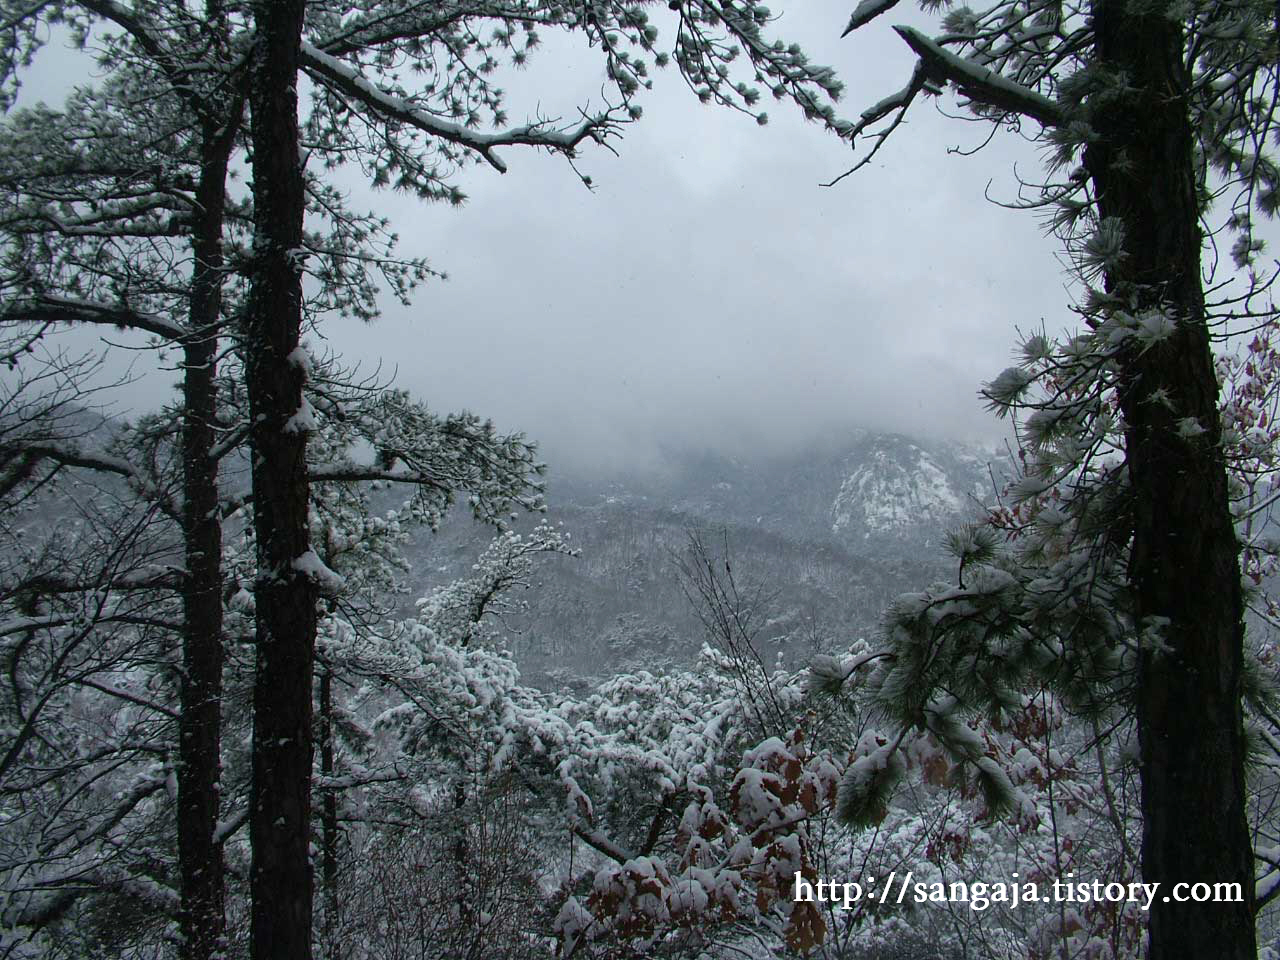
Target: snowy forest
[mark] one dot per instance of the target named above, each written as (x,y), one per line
(295,665)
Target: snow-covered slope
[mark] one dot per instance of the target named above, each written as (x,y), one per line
(879,487)
(895,486)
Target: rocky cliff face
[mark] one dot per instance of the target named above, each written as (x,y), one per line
(896,487)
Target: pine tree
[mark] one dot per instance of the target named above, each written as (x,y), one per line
(1124,585)
(286,585)
(61,269)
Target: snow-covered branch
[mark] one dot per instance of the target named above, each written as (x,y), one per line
(980,84)
(51,309)
(353,780)
(598,841)
(149,40)
(130,697)
(23,457)
(333,72)
(355,473)
(71,456)
(151,578)
(866,11)
(895,104)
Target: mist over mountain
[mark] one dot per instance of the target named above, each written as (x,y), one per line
(819,540)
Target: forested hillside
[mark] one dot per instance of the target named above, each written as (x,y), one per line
(831,534)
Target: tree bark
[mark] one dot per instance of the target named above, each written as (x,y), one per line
(1184,565)
(201,868)
(279,826)
(200,719)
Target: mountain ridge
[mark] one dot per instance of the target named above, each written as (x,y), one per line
(833,534)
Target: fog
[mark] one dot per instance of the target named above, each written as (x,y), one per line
(709,292)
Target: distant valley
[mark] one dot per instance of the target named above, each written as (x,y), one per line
(826,538)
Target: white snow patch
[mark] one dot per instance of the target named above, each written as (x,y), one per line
(304,421)
(887,495)
(299,357)
(313,568)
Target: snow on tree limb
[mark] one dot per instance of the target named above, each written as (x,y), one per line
(46,308)
(980,84)
(330,70)
(71,456)
(895,104)
(598,841)
(354,472)
(866,11)
(151,577)
(150,41)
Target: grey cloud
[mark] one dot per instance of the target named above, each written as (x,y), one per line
(709,291)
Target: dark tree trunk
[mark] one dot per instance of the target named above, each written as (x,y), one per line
(285,597)
(200,719)
(1184,566)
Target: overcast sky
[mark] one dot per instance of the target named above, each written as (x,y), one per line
(709,291)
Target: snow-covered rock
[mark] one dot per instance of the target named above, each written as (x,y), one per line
(897,485)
